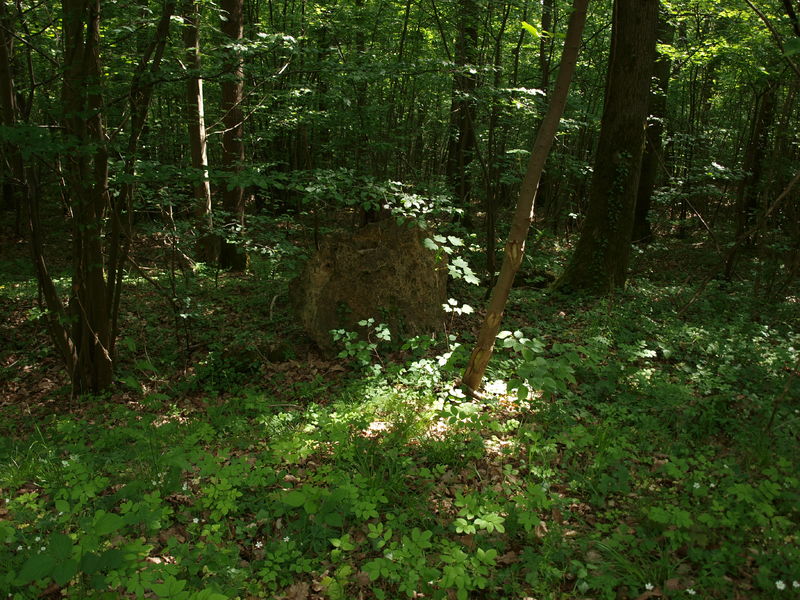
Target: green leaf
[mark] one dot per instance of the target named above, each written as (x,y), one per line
(455,241)
(792,47)
(334,519)
(36,568)
(105,523)
(430,244)
(60,546)
(65,571)
(170,588)
(295,498)
(531,29)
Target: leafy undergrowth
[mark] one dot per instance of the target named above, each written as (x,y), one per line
(622,451)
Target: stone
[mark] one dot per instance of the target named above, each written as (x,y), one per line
(382,271)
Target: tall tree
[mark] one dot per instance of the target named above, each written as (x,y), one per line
(463,107)
(84,331)
(653,159)
(11,170)
(523,215)
(600,261)
(232,136)
(195,119)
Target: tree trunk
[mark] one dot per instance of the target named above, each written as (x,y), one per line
(84,332)
(462,142)
(653,159)
(232,142)
(546,43)
(750,187)
(87,177)
(12,172)
(207,246)
(523,216)
(600,261)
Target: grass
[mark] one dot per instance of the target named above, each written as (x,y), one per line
(625,452)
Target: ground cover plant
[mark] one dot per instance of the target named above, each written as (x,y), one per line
(374,300)
(622,450)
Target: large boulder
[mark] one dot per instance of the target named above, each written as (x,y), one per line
(381,271)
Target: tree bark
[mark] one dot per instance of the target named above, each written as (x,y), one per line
(87,176)
(12,171)
(207,246)
(750,187)
(523,215)
(84,332)
(600,261)
(463,111)
(653,159)
(232,138)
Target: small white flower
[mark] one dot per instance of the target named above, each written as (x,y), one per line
(690,591)
(64,463)
(796,584)
(37,539)
(390,556)
(195,520)
(42,549)
(780,585)
(286,539)
(712,485)
(259,544)
(648,586)
(696,485)
(19,548)
(185,487)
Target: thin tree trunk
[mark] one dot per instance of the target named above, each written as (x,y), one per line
(207,246)
(600,261)
(523,216)
(653,159)
(232,138)
(87,177)
(463,111)
(11,171)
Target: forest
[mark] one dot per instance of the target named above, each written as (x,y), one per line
(386,299)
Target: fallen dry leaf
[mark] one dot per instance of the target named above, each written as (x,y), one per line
(297,591)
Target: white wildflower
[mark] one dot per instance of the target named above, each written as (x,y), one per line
(259,544)
(780,585)
(42,549)
(286,539)
(690,591)
(696,485)
(648,586)
(195,520)
(796,584)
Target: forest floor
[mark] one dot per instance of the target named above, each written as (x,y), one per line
(644,445)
